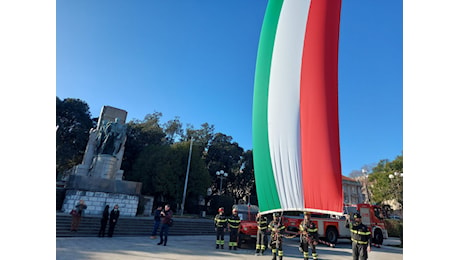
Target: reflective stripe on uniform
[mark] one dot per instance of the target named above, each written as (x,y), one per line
(261,228)
(220,220)
(261,225)
(360,232)
(359,242)
(234,223)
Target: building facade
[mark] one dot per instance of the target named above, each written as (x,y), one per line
(352,191)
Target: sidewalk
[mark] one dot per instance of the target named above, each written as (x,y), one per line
(195,248)
(392,241)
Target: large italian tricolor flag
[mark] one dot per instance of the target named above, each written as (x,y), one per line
(295,111)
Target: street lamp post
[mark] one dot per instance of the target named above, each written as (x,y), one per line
(186,177)
(221,175)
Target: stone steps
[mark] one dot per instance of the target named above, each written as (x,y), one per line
(133,226)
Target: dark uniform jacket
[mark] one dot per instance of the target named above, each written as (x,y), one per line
(220,221)
(311,230)
(359,233)
(234,221)
(262,223)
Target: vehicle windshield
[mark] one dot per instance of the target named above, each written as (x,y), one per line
(246,212)
(245,216)
(378,213)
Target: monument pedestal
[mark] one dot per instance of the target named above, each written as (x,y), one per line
(105,166)
(98,192)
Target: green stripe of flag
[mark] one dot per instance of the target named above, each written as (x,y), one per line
(268,197)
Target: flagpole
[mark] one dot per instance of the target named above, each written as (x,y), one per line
(186,177)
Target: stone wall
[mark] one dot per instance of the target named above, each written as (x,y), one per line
(96,201)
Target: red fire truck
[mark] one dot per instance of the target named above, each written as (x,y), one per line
(332,227)
(248,228)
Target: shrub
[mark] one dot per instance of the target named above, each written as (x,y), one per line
(394,227)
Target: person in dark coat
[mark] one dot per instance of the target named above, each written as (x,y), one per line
(308,236)
(114,214)
(104,219)
(157,219)
(360,237)
(276,228)
(262,224)
(167,215)
(234,226)
(220,223)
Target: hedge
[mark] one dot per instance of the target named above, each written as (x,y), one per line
(394,228)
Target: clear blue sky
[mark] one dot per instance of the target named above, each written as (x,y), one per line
(196,60)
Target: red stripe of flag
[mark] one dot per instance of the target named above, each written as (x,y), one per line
(321,166)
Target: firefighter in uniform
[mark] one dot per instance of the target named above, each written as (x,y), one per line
(220,222)
(234,227)
(262,224)
(360,237)
(276,243)
(308,236)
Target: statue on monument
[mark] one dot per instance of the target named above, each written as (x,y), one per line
(104,150)
(110,137)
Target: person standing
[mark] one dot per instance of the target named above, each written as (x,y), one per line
(167,215)
(308,236)
(276,228)
(360,237)
(220,221)
(78,212)
(104,219)
(114,214)
(262,224)
(234,227)
(157,221)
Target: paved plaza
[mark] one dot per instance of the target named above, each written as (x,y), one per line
(197,248)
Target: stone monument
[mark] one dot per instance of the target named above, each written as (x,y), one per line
(106,146)
(98,179)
